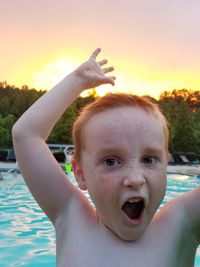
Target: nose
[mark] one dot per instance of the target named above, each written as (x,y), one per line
(134,178)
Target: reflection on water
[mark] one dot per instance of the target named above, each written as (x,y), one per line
(27,236)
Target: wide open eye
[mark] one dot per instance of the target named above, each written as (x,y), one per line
(112,162)
(149,160)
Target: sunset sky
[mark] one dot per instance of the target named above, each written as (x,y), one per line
(154,45)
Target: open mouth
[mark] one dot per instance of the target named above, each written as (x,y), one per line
(133,208)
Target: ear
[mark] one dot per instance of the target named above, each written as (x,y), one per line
(78,173)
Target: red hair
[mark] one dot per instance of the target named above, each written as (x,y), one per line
(111,101)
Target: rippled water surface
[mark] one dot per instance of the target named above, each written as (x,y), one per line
(27,237)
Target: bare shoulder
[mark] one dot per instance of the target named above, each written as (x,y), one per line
(190,202)
(79,210)
(77,221)
(183,214)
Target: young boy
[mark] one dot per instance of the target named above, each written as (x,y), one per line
(121,158)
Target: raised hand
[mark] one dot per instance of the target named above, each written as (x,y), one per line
(92,73)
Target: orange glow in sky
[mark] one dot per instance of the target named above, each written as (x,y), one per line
(153,45)
(130,77)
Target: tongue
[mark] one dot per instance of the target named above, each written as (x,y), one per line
(133,210)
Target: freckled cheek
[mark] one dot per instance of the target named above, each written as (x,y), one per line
(103,186)
(103,181)
(159,188)
(107,185)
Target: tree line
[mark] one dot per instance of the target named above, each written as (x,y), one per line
(181,107)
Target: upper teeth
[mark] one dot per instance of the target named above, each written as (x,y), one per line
(132,200)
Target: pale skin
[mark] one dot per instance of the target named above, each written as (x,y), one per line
(124,157)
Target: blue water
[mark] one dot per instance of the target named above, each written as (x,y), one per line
(27,237)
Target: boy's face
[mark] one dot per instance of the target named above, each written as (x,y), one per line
(123,166)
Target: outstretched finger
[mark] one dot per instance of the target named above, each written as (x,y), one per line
(110,80)
(95,53)
(102,62)
(109,69)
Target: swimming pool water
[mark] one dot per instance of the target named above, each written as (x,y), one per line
(26,235)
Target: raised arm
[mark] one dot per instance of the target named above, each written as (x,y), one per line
(43,175)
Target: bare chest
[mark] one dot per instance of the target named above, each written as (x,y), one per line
(93,257)
(94,250)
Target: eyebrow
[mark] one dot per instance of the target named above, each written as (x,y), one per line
(109,150)
(154,151)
